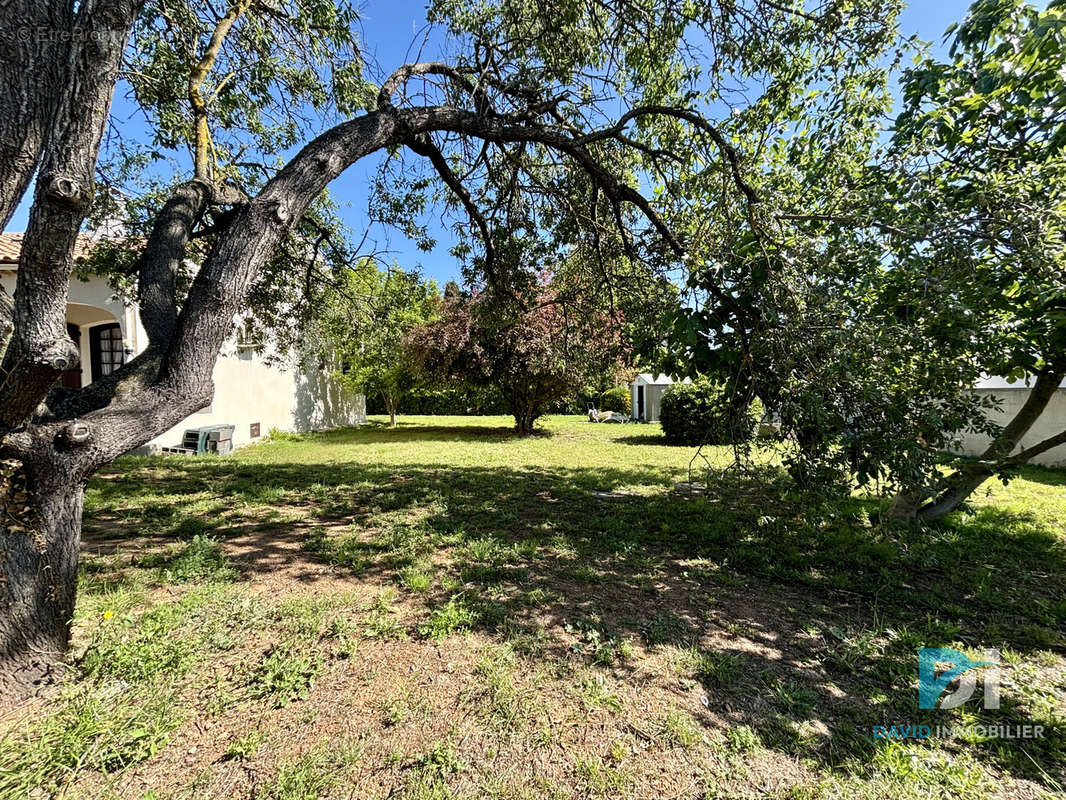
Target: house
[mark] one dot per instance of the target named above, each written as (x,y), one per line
(252,393)
(1012,397)
(647,393)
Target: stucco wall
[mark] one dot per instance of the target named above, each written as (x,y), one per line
(91,303)
(1051,422)
(248,389)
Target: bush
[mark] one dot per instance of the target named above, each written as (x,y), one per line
(700,413)
(455,400)
(616,399)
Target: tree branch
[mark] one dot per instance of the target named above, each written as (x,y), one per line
(40,348)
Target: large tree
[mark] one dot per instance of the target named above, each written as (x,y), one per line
(364,328)
(586,98)
(535,353)
(894,271)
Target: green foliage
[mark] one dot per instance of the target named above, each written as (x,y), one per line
(201,559)
(865,331)
(533,352)
(87,729)
(618,399)
(363,326)
(458,400)
(315,773)
(742,739)
(704,412)
(287,673)
(246,747)
(455,616)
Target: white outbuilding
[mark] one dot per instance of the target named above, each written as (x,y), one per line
(647,393)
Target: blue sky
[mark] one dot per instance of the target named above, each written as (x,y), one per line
(389,29)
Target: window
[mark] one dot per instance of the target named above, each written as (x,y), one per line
(106,350)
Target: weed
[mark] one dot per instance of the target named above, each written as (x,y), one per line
(453,617)
(86,729)
(678,728)
(245,747)
(595,694)
(287,673)
(742,739)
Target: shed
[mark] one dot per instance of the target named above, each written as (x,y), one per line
(647,392)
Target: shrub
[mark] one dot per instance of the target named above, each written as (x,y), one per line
(700,413)
(453,400)
(616,399)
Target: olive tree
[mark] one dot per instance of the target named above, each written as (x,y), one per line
(596,101)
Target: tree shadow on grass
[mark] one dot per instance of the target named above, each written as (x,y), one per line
(377,432)
(804,621)
(1049,476)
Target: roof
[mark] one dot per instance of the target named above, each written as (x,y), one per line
(657,380)
(999,382)
(11,247)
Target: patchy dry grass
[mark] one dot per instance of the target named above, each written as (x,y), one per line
(445,611)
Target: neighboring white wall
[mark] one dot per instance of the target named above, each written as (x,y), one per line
(1051,422)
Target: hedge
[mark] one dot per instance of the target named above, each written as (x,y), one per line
(700,413)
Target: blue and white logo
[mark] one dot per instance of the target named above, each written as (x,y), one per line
(932,686)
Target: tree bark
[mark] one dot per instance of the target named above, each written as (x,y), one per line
(40,531)
(390,406)
(31,74)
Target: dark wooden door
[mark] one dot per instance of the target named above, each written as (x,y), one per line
(72,377)
(640,402)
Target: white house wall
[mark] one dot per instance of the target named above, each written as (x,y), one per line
(248,389)
(1051,422)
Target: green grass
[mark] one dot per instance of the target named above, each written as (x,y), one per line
(470,603)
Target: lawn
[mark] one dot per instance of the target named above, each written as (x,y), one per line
(446,611)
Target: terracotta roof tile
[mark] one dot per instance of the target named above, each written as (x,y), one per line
(11,246)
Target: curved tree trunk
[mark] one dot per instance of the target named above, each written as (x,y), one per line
(914,504)
(390,406)
(40,534)
(525,414)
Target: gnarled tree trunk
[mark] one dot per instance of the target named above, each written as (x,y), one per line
(40,532)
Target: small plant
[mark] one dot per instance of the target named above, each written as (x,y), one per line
(310,777)
(380,625)
(678,728)
(201,559)
(600,779)
(594,694)
(417,579)
(441,759)
(245,747)
(454,616)
(87,729)
(718,669)
(742,739)
(287,673)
